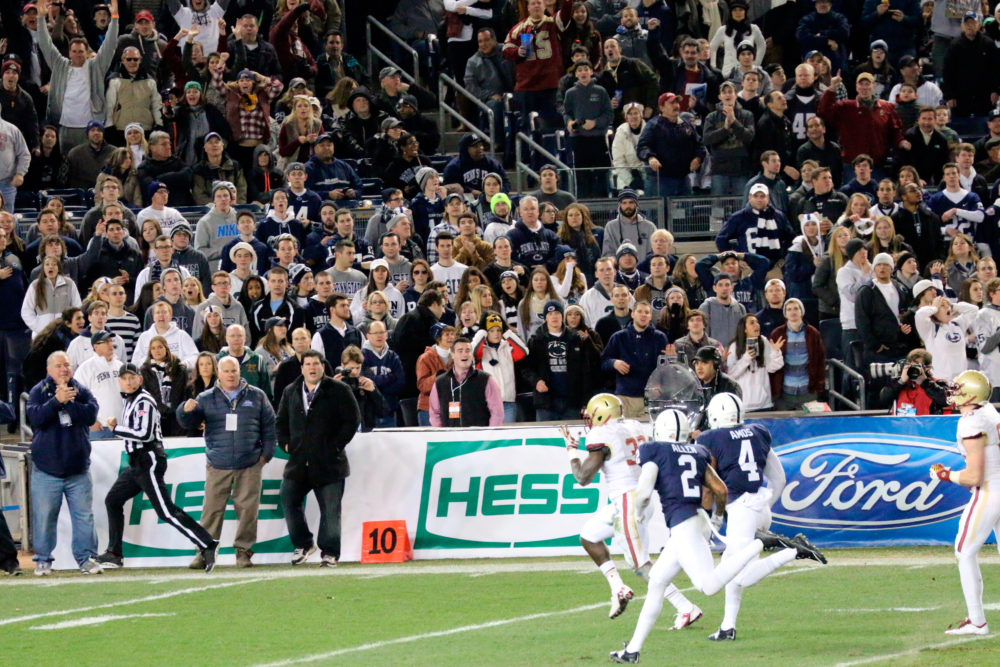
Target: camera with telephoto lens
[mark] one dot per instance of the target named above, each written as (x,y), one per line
(892,370)
(346,377)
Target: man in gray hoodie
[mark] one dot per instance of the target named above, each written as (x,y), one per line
(588,113)
(72,107)
(14,161)
(221,298)
(629,226)
(217,227)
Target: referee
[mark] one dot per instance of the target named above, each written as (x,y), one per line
(140,428)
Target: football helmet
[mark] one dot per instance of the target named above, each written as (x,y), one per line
(602,408)
(725,410)
(969,388)
(671,426)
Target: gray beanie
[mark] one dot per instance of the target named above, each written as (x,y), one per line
(423,174)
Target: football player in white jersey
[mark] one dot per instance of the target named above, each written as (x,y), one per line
(612,449)
(979,442)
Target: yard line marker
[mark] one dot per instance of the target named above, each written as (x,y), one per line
(122,603)
(912,651)
(93,620)
(904,610)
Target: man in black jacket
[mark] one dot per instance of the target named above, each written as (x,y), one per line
(556,369)
(877,310)
(18,107)
(161,165)
(116,258)
(317,418)
(250,51)
(410,338)
(919,225)
(929,149)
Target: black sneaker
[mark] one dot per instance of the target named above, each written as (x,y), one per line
(208,553)
(623,657)
(12,568)
(721,635)
(806,550)
(110,561)
(774,541)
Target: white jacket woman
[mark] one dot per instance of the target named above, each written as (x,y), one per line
(754,379)
(624,158)
(942,327)
(497,357)
(730,42)
(47,296)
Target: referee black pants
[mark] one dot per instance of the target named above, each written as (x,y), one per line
(145,473)
(8,550)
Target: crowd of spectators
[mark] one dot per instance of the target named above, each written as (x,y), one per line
(867,232)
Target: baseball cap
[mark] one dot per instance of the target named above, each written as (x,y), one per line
(970,16)
(294,166)
(759,187)
(453,195)
(708,353)
(473,139)
(272,322)
(214,135)
(906,61)
(552,306)
(129,368)
(380,262)
(326,136)
(30,7)
(664,98)
(144,15)
(437,329)
(883,258)
(192,84)
(388,123)
(212,309)
(993,114)
(408,100)
(865,75)
(493,321)
(100,337)
(246,74)
(388,71)
(297,81)
(776,281)
(880,45)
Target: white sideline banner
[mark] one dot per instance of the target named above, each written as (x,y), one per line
(474,493)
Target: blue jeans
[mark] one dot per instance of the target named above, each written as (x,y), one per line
(728,185)
(423,418)
(293,499)
(668,187)
(47,492)
(509,412)
(9,193)
(104,434)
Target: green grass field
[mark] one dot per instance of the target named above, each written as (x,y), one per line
(872,606)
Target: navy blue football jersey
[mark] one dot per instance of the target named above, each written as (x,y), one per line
(740,455)
(679,478)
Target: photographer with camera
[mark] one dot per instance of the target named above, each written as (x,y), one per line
(369,398)
(915,392)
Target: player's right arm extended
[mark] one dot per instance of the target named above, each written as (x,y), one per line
(647,481)
(718,489)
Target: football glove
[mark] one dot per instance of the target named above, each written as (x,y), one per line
(938,471)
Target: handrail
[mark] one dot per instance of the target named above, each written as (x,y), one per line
(445,80)
(836,364)
(520,165)
(25,429)
(372,51)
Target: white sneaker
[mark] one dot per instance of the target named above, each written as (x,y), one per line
(682,620)
(299,556)
(327,560)
(43,569)
(91,566)
(967,627)
(619,601)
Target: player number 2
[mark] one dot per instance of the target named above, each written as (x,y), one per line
(689,482)
(747,463)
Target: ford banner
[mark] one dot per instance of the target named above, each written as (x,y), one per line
(863,481)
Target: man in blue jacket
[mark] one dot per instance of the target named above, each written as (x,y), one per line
(757,228)
(331,177)
(632,354)
(239,440)
(470,167)
(531,243)
(60,412)
(671,147)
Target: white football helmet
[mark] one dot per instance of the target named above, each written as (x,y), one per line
(725,410)
(671,426)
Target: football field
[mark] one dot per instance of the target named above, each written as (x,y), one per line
(868,606)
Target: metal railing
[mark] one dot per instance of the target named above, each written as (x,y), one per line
(375,53)
(524,168)
(834,365)
(23,419)
(444,110)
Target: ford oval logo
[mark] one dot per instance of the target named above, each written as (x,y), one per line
(866,482)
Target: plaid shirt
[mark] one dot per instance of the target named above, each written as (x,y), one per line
(254,124)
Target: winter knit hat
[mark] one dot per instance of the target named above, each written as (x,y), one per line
(423,174)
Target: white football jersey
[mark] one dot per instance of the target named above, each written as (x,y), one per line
(621,469)
(984,420)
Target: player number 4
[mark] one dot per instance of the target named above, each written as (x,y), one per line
(747,463)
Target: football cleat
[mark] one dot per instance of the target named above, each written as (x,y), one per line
(967,627)
(619,601)
(623,657)
(807,550)
(774,541)
(682,620)
(721,635)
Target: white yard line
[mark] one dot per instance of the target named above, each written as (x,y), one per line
(912,651)
(94,620)
(883,610)
(122,603)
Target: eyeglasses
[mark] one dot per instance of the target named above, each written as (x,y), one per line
(420,273)
(131,60)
